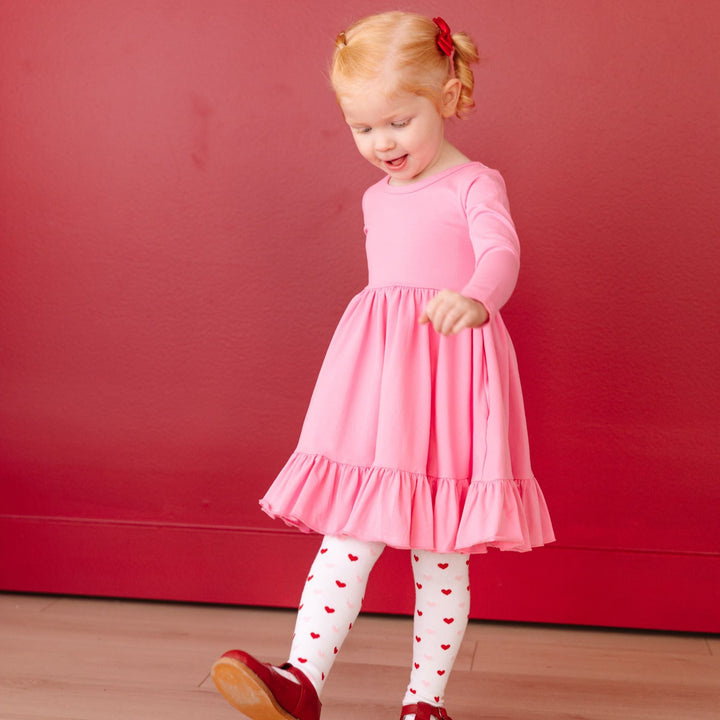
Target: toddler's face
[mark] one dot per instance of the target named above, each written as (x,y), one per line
(402,133)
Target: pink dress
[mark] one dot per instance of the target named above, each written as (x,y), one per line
(414,439)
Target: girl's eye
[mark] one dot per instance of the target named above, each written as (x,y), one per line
(362,130)
(400,123)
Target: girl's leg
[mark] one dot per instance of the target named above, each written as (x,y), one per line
(442,605)
(330,603)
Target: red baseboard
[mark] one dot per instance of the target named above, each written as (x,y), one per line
(612,588)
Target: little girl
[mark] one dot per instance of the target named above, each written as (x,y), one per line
(415,436)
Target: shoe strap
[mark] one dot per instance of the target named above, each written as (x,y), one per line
(424,711)
(303,679)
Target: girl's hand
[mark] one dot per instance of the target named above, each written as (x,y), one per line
(450,312)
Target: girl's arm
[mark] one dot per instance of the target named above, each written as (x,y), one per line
(497,261)
(495,242)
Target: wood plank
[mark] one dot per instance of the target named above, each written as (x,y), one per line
(92,659)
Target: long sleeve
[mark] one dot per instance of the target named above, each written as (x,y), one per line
(495,243)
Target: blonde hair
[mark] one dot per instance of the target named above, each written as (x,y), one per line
(406,44)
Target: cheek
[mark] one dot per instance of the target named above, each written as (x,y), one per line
(362,144)
(426,138)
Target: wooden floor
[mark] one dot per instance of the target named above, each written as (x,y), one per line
(85,659)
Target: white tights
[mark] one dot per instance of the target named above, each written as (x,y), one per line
(333,596)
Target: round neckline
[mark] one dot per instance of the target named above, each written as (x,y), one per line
(429,180)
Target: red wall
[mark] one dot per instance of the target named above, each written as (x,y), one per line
(180,230)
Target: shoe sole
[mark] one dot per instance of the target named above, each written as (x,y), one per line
(245,691)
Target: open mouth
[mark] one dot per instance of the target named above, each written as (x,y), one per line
(397,163)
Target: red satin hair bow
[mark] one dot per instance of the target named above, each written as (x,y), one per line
(444,39)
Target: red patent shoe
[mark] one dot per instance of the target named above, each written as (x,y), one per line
(424,711)
(262,693)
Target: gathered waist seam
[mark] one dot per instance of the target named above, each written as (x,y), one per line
(401,286)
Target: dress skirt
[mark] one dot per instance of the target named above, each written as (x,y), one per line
(414,439)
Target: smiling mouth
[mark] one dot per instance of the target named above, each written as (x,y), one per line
(395,163)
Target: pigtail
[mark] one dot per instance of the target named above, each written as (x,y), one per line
(465,54)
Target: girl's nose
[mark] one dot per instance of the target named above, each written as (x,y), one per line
(384,142)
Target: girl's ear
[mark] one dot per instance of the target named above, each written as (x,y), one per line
(450,95)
